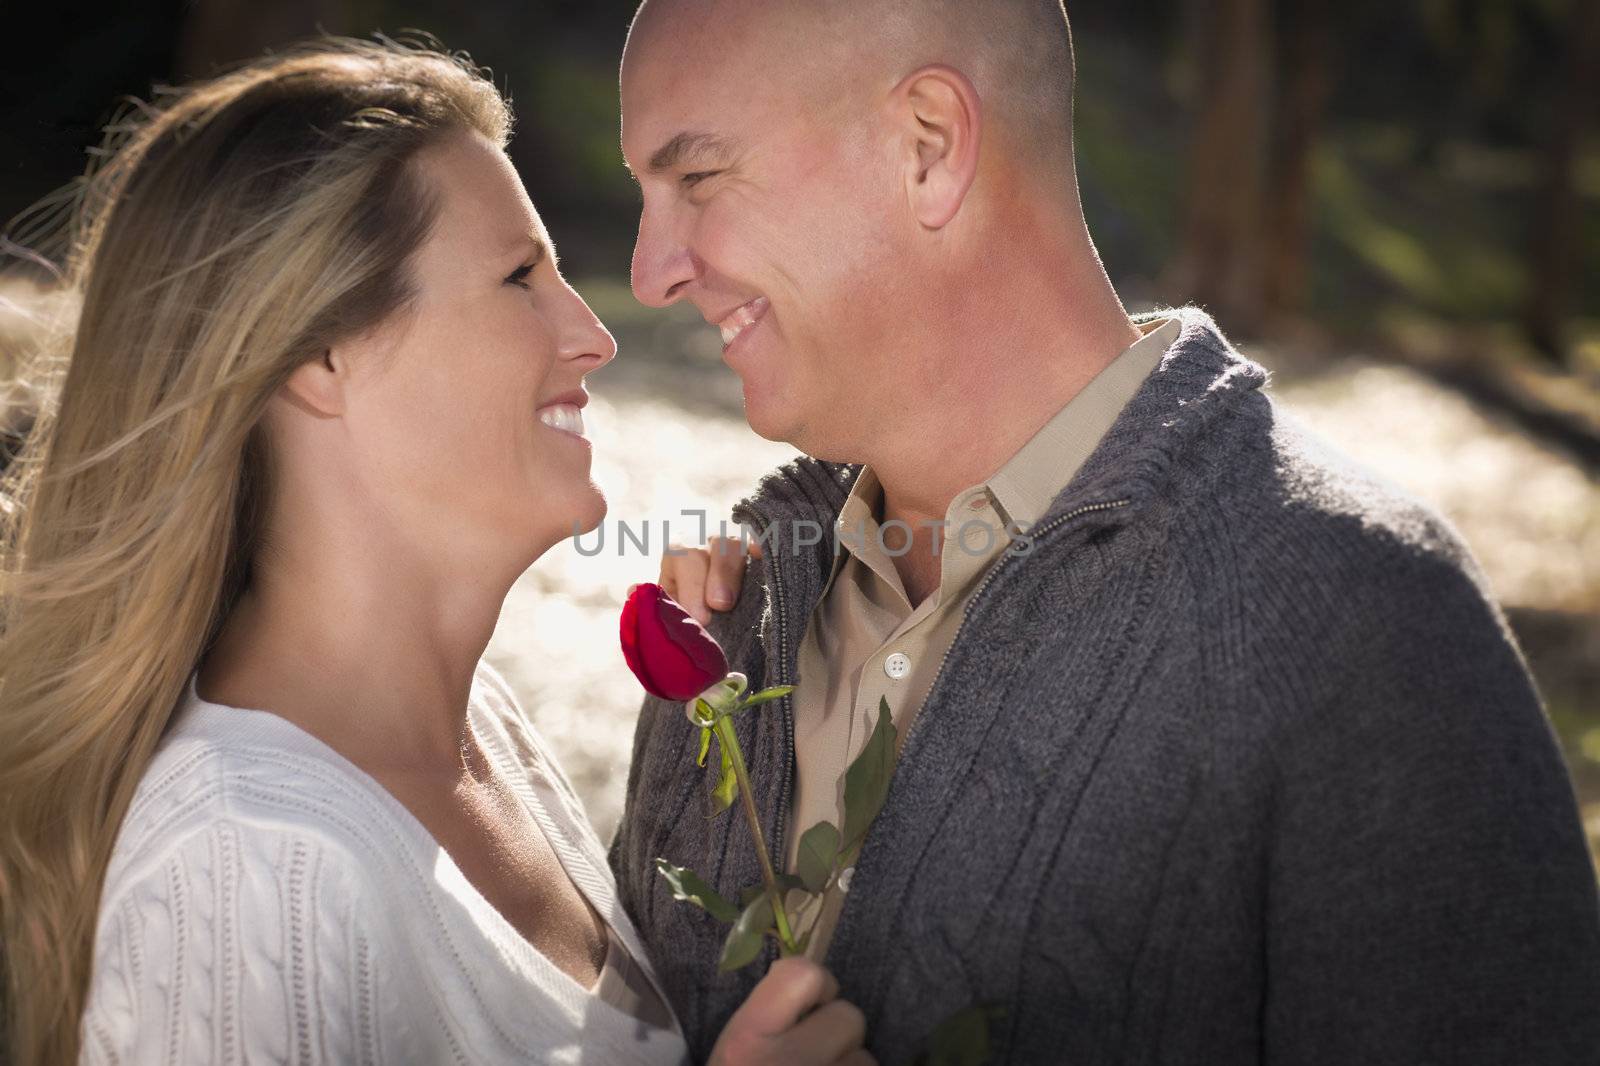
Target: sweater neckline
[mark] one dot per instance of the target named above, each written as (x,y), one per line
(1200,378)
(256,726)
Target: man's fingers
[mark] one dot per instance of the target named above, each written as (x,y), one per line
(791,988)
(683,576)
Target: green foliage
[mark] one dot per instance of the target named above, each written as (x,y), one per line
(777,692)
(727,782)
(747,935)
(818,854)
(785,883)
(963,1038)
(687,886)
(866,782)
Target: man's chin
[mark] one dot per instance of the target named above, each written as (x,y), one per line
(768,418)
(798,435)
(780,423)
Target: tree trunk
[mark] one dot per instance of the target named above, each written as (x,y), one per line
(1307,76)
(1218,260)
(1558,214)
(220,33)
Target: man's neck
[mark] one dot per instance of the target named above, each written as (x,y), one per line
(919,566)
(1001,395)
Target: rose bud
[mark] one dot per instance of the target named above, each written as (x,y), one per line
(670,653)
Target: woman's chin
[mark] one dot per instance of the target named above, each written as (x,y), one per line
(587,512)
(574,513)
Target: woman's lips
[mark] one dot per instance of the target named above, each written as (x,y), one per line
(566,417)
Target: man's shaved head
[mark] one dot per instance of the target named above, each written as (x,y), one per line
(837,185)
(1018,53)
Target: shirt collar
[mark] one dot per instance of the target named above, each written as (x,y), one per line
(1030,480)
(857,517)
(1028,483)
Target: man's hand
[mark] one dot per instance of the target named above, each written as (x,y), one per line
(794,1018)
(707,579)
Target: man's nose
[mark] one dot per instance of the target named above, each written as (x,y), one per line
(662,263)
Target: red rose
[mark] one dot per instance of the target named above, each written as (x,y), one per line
(670,653)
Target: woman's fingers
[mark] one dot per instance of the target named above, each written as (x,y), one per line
(683,576)
(794,1018)
(792,988)
(707,579)
(830,1033)
(726,574)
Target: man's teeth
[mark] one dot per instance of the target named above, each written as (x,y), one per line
(742,319)
(562,416)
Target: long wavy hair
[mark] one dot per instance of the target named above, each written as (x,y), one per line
(230,232)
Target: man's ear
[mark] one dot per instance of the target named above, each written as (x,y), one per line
(942,118)
(317,386)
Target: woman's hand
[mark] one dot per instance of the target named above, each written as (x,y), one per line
(707,579)
(794,1018)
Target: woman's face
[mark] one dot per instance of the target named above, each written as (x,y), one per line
(468,416)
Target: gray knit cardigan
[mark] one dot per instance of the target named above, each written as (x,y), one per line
(1240,764)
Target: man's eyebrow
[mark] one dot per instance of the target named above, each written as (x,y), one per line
(689,146)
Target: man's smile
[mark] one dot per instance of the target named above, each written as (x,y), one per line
(741,319)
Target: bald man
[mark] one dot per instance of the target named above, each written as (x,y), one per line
(1212,749)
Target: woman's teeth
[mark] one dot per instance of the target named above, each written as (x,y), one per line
(563,416)
(742,319)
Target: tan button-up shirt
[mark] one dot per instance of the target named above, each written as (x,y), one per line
(865,640)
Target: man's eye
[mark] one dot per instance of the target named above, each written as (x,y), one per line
(519,276)
(691,180)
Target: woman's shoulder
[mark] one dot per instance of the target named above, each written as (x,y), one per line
(501,720)
(249,902)
(226,777)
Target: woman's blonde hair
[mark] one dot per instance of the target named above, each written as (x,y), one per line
(229,234)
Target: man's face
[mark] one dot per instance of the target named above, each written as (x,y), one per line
(766,205)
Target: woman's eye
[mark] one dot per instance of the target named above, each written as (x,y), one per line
(519,276)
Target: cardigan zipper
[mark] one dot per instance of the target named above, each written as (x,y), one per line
(966,613)
(778,832)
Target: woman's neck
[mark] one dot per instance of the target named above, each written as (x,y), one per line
(369,651)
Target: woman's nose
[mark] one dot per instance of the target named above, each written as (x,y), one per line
(587,339)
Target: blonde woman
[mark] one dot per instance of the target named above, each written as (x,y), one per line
(261,800)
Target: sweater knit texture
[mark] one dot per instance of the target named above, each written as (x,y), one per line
(1239,764)
(268,902)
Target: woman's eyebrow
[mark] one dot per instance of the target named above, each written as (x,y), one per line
(541,248)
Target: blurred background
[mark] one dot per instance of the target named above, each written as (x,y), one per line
(1394,206)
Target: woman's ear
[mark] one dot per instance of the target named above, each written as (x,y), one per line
(942,117)
(317,386)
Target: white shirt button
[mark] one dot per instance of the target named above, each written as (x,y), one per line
(897,666)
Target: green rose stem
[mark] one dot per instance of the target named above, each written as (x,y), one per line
(723,727)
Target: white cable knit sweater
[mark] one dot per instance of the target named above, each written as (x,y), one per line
(267,901)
